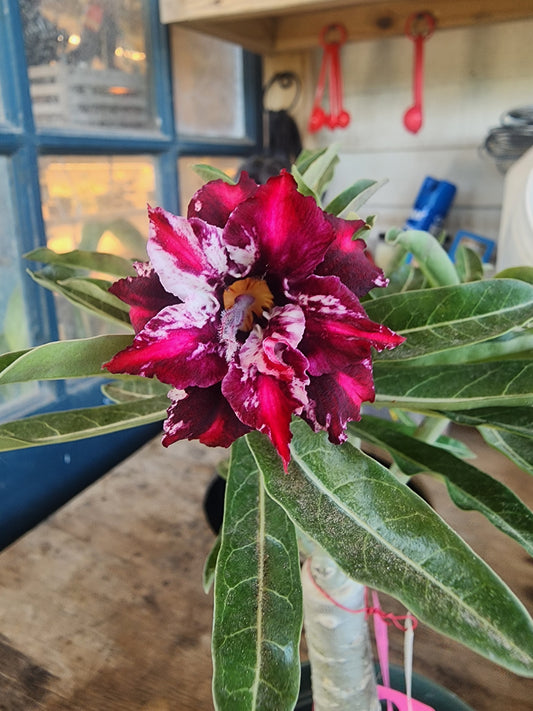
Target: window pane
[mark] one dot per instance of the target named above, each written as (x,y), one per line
(87,63)
(96,204)
(208,85)
(14,332)
(190,182)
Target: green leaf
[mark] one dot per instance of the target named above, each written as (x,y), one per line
(432,260)
(306,157)
(80,358)
(385,536)
(469,488)
(401,278)
(468,264)
(209,172)
(89,294)
(516,420)
(509,346)
(521,273)
(517,448)
(71,425)
(83,259)
(354,197)
(318,173)
(454,387)
(208,576)
(446,318)
(258,605)
(134,388)
(302,186)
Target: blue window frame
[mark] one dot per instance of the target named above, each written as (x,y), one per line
(35,482)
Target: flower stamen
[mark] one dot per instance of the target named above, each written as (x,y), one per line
(262,299)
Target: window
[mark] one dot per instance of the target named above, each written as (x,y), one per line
(89,63)
(99,114)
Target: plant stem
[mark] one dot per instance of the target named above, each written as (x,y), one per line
(342,670)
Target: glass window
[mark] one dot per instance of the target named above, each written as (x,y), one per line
(95,203)
(14,331)
(208,85)
(87,63)
(190,181)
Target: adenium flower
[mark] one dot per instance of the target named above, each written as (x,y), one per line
(249,308)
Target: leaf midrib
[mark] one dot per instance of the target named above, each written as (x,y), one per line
(260,582)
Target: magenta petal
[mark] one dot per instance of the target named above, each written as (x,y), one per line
(215,201)
(290,231)
(175,347)
(144,294)
(337,330)
(179,253)
(347,258)
(203,414)
(335,399)
(264,403)
(268,383)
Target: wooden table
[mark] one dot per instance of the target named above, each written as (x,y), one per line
(102,606)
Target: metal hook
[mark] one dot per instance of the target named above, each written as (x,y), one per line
(286,80)
(420,24)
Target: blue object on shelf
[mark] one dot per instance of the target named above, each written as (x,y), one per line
(482,245)
(431,206)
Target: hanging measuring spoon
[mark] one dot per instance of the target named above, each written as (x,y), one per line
(332,38)
(419,28)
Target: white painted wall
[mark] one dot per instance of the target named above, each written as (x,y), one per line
(472,77)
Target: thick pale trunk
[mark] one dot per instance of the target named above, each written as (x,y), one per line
(340,653)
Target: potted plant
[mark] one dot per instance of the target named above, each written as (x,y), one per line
(262,319)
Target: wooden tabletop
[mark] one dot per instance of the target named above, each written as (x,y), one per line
(102,606)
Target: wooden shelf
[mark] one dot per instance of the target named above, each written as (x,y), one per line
(267,26)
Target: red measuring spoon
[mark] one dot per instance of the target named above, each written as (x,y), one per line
(331,38)
(419,28)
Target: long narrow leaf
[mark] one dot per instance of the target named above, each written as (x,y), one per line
(517,448)
(517,420)
(71,425)
(510,345)
(258,606)
(353,198)
(432,259)
(89,294)
(318,173)
(134,387)
(57,360)
(385,536)
(445,318)
(468,264)
(455,387)
(83,259)
(469,488)
(209,172)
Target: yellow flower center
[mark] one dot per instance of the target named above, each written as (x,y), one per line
(258,290)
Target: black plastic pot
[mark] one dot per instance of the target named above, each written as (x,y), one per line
(423,690)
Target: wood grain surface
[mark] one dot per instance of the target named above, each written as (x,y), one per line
(102,606)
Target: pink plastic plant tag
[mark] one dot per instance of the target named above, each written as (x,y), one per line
(401,701)
(382,644)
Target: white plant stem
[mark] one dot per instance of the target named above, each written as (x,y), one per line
(340,654)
